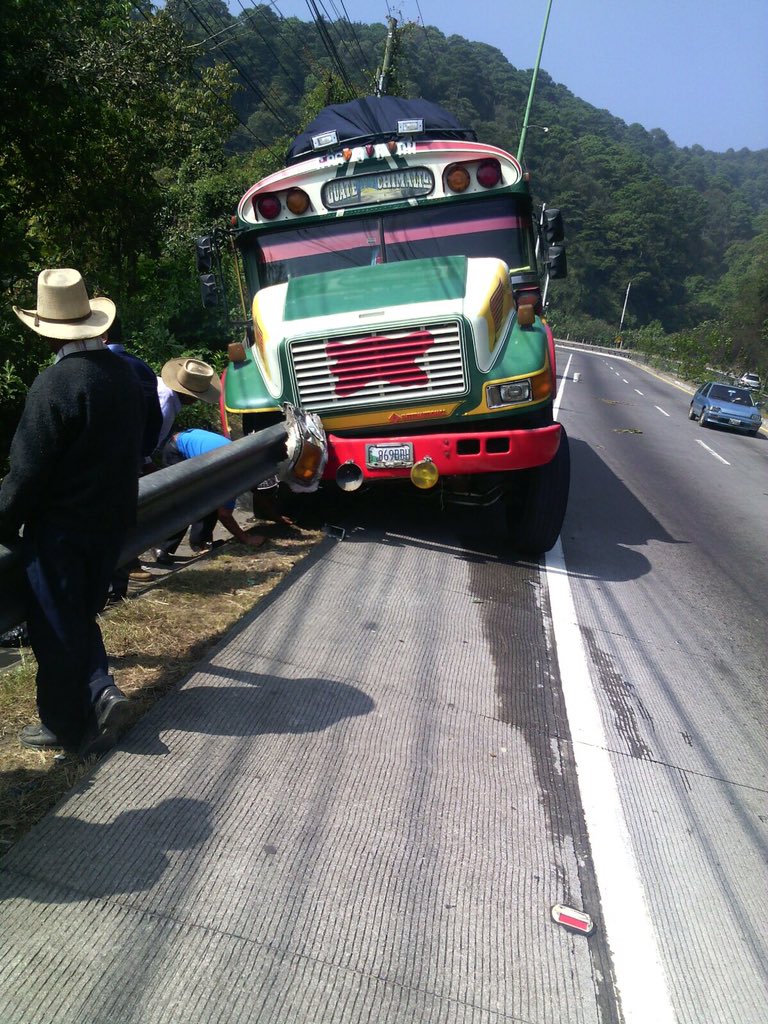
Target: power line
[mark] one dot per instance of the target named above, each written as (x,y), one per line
(330,23)
(235,64)
(224,102)
(329,46)
(355,36)
(250,19)
(281,18)
(424,30)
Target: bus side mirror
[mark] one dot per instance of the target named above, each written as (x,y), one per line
(204,254)
(209,292)
(554,231)
(557,264)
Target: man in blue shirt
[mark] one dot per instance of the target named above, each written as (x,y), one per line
(188,444)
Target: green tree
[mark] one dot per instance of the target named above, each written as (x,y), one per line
(103,113)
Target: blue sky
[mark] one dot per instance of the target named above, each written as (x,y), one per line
(698,69)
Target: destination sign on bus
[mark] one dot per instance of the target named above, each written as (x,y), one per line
(381,187)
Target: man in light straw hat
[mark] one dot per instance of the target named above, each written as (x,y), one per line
(182,382)
(73,486)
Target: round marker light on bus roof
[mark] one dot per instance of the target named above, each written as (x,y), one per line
(489,173)
(268,206)
(297,201)
(392,146)
(347,154)
(457,178)
(369,150)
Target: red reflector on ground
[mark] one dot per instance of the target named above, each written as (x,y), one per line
(575,920)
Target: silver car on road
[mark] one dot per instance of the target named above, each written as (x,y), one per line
(725,405)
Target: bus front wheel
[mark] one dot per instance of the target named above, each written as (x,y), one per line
(536,507)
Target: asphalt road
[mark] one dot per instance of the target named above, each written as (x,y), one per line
(364,804)
(666,547)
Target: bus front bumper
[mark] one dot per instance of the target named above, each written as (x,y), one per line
(451,454)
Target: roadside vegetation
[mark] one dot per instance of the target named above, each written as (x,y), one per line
(128,128)
(154,639)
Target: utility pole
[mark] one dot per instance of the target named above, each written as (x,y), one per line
(381,84)
(624,310)
(533,85)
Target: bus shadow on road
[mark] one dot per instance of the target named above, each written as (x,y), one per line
(605,522)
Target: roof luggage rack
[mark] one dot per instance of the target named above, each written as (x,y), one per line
(372,120)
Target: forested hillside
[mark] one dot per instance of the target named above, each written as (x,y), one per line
(126,130)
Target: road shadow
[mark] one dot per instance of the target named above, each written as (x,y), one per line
(605,522)
(259,705)
(67,860)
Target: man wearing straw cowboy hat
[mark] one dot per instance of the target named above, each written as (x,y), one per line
(182,382)
(73,486)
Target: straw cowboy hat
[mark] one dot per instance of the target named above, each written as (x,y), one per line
(192,377)
(64,310)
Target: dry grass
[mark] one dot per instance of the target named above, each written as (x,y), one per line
(153,641)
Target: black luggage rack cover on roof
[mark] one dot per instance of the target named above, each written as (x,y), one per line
(375,119)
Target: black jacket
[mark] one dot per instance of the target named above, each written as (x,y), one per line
(75,455)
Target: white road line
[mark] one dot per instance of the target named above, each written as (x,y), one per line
(640,393)
(625,380)
(713,452)
(564,377)
(661,410)
(640,977)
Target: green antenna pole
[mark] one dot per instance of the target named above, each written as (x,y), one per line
(533,85)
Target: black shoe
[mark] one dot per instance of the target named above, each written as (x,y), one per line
(162,557)
(39,737)
(16,637)
(112,710)
(112,713)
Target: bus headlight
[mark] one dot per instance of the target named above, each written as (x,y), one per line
(514,393)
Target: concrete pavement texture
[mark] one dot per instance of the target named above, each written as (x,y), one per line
(346,813)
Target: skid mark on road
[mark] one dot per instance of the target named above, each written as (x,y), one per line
(623,698)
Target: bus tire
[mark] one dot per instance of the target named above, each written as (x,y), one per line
(535,516)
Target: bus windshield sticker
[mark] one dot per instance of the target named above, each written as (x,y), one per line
(384,186)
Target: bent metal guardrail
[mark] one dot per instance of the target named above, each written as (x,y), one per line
(172,498)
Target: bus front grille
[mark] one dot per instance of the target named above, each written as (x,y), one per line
(409,364)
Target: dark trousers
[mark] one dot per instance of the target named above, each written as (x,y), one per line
(201,532)
(69,572)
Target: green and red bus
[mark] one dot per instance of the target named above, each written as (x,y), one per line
(393,288)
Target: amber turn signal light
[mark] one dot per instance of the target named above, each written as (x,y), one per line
(297,201)
(457,178)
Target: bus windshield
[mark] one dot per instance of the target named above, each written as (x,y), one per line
(484,227)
